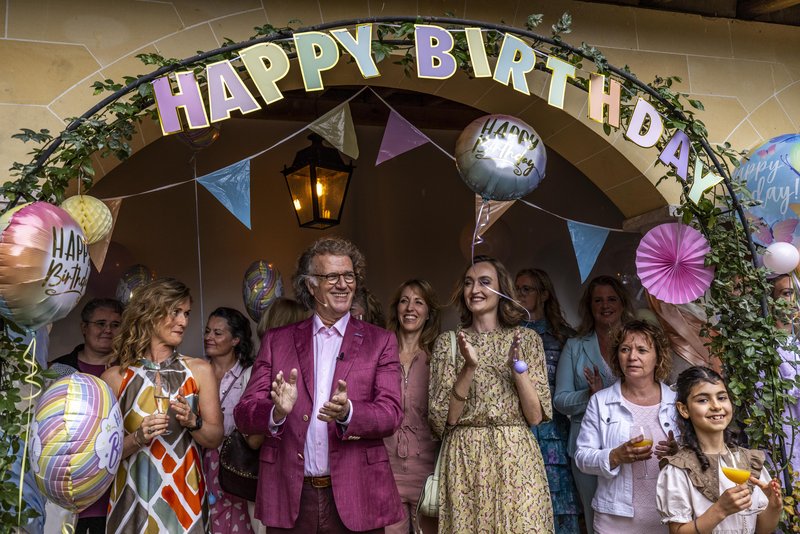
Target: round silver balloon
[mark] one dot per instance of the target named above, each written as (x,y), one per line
(500,157)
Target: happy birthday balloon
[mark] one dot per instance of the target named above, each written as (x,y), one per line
(92,214)
(261,285)
(500,157)
(131,280)
(76,441)
(44,264)
(772,174)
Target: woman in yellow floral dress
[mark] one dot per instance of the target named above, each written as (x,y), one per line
(493,477)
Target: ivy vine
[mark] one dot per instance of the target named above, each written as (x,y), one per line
(742,332)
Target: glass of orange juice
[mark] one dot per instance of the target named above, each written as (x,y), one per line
(734,467)
(644,438)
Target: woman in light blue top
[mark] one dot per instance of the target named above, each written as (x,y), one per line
(584,368)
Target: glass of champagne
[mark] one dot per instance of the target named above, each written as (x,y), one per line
(645,439)
(162,391)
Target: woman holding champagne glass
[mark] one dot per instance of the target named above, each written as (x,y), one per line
(160,485)
(620,427)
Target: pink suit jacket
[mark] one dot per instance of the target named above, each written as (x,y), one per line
(363,486)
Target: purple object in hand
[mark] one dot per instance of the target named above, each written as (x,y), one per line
(520,366)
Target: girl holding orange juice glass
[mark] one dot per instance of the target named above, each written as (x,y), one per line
(711,485)
(626,428)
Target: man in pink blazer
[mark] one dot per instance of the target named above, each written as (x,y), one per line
(325,392)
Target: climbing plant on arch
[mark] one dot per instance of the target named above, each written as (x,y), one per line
(744,333)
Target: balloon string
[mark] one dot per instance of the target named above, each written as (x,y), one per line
(67,528)
(481,221)
(199,256)
(796,287)
(29,357)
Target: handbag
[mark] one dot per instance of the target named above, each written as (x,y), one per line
(428,503)
(238,462)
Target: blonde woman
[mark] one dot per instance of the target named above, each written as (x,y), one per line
(160,483)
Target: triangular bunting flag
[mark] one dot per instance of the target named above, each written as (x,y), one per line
(495,209)
(399,136)
(336,127)
(231,186)
(588,241)
(97,251)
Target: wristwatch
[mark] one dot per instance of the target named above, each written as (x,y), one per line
(198,424)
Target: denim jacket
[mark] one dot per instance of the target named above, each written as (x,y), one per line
(606,425)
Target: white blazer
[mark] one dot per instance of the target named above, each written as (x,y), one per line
(606,425)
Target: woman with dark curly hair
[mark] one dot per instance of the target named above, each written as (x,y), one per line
(620,427)
(229,347)
(160,484)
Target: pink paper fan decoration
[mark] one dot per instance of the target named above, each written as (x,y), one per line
(670,261)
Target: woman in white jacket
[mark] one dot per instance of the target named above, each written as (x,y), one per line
(621,425)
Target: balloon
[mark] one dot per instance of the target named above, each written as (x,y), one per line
(131,280)
(781,258)
(500,157)
(44,264)
(771,174)
(200,138)
(261,285)
(92,214)
(76,441)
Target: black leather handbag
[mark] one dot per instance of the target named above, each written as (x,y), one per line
(238,467)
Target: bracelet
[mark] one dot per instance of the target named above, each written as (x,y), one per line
(136,438)
(696,530)
(456,396)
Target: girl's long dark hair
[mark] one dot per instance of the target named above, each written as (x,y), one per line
(687,380)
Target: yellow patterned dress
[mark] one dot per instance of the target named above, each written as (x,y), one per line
(159,488)
(493,477)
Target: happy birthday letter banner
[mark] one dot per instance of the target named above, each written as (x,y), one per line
(231,186)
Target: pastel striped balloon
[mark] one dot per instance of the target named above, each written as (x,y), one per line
(76,441)
(261,285)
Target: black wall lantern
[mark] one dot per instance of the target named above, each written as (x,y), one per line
(318,180)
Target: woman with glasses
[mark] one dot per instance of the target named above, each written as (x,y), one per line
(488,386)
(100,320)
(585,367)
(536,294)
(414,318)
(160,485)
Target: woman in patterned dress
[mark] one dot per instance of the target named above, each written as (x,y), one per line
(493,477)
(537,295)
(414,318)
(229,347)
(159,486)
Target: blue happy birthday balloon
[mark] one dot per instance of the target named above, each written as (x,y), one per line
(772,174)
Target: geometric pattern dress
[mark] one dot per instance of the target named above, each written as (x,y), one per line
(160,487)
(492,476)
